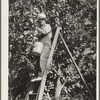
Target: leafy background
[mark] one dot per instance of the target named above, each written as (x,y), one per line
(78,21)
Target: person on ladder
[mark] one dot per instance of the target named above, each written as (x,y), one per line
(44,32)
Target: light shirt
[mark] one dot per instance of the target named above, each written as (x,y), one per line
(46,38)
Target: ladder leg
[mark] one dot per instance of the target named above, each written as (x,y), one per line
(76,66)
(38,93)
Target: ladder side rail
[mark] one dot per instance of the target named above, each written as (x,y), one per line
(48,96)
(27,96)
(48,64)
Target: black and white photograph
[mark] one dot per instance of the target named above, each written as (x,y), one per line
(52,50)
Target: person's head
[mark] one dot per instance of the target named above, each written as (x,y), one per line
(42,18)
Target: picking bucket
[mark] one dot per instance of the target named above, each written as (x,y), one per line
(38,47)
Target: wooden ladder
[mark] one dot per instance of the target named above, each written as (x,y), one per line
(42,84)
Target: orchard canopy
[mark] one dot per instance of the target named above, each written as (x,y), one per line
(79,29)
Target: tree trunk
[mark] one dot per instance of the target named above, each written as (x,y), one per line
(59,86)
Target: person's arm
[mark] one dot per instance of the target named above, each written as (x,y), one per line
(40,30)
(45,31)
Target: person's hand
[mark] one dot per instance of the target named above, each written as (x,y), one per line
(35,33)
(34,25)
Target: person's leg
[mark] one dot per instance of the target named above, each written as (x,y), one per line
(37,66)
(43,58)
(37,69)
(43,62)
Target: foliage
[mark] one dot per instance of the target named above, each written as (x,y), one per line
(78,21)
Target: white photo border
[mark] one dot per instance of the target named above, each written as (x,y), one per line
(4,49)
